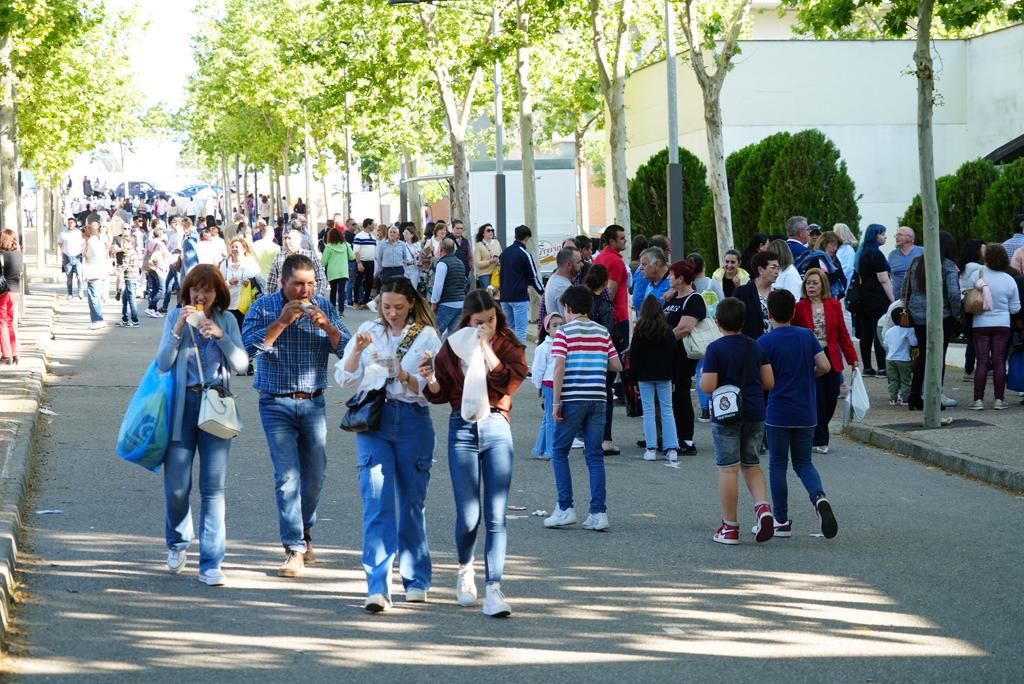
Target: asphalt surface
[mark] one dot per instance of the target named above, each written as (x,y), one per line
(922,583)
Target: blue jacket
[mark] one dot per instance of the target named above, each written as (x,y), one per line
(518,273)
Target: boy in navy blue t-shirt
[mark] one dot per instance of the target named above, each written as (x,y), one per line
(735,359)
(797,359)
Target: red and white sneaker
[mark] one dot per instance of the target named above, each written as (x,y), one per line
(727,534)
(784,529)
(765,528)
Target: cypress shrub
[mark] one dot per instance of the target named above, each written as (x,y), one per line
(751,181)
(914,215)
(1003,200)
(707,231)
(809,179)
(648,193)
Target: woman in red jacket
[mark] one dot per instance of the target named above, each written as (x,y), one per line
(480,453)
(821,314)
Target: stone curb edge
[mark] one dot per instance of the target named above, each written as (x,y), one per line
(951,461)
(14,481)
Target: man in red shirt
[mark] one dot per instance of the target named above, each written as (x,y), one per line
(613,243)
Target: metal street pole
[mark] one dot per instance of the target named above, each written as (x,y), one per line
(674,172)
(500,217)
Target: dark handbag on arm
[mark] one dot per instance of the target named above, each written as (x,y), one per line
(366,407)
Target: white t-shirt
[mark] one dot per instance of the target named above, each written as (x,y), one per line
(71,242)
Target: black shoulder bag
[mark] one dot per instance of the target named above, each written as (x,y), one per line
(365,407)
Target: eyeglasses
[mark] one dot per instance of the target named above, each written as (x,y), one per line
(488,230)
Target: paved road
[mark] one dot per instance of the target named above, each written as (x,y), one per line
(923,582)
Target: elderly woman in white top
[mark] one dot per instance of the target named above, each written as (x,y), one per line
(394,460)
(991,328)
(789,277)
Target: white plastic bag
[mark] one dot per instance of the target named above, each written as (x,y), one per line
(466,345)
(859,401)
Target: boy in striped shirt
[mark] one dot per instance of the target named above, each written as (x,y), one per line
(583,354)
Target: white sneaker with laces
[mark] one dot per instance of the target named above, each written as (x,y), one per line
(376,603)
(577,443)
(465,586)
(999,405)
(495,604)
(948,402)
(176,560)
(672,455)
(212,578)
(596,521)
(415,595)
(977,405)
(650,455)
(562,517)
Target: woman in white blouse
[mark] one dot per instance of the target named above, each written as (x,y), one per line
(394,460)
(789,277)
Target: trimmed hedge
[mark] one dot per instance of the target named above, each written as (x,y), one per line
(648,193)
(809,179)
(960,196)
(751,181)
(1003,200)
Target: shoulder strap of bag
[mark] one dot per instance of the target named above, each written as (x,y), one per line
(199,359)
(409,338)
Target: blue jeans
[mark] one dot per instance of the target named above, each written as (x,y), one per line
(156,289)
(481,451)
(703,397)
(394,474)
(351,282)
(92,295)
(72,268)
(587,416)
(518,315)
(172,282)
(484,281)
(128,301)
(213,466)
(783,444)
(296,431)
(663,392)
(546,434)
(448,318)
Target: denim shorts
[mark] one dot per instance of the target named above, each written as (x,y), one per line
(737,442)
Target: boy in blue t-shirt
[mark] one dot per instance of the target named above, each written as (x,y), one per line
(797,359)
(735,359)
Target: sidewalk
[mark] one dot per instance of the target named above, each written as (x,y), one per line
(21,390)
(979,444)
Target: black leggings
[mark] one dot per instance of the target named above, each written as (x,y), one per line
(682,403)
(867,328)
(338,294)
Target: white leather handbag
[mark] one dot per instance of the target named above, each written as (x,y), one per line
(217,412)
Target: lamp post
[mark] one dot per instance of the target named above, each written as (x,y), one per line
(674,171)
(500,215)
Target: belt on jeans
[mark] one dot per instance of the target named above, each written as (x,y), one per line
(198,389)
(297,395)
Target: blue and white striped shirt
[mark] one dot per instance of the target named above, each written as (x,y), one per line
(298,360)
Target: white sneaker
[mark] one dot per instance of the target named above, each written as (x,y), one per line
(376,603)
(97,325)
(495,604)
(577,443)
(977,405)
(465,586)
(415,595)
(176,560)
(651,455)
(999,405)
(212,578)
(821,450)
(596,521)
(672,455)
(151,313)
(561,518)
(948,402)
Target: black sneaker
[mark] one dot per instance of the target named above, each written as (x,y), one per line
(705,416)
(870,372)
(880,373)
(687,450)
(829,526)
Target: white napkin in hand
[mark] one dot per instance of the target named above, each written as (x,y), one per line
(466,345)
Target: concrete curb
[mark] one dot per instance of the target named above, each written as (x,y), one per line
(18,465)
(947,459)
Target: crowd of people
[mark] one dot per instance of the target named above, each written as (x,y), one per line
(765,339)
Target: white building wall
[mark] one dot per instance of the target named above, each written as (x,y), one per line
(858,93)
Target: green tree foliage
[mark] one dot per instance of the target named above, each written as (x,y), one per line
(914,215)
(809,179)
(965,196)
(748,191)
(648,200)
(1003,201)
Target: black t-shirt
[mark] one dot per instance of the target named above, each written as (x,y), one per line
(870,265)
(728,286)
(690,305)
